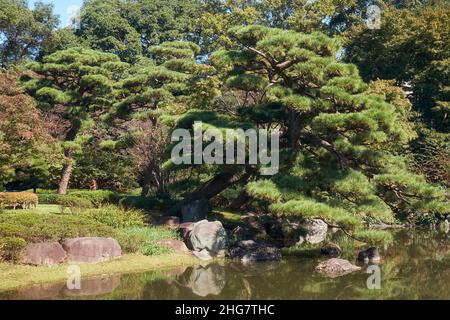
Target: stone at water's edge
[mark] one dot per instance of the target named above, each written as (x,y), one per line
(92,250)
(316,232)
(331,250)
(171,222)
(202,255)
(195,211)
(185,230)
(249,251)
(175,245)
(336,267)
(371,255)
(49,253)
(208,235)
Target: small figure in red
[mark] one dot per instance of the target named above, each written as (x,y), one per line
(94,185)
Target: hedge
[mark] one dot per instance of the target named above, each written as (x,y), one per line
(38,227)
(96,198)
(23,200)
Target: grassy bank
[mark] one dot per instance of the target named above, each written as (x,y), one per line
(18,276)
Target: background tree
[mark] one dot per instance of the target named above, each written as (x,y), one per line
(104,26)
(23,32)
(27,149)
(168,85)
(76,86)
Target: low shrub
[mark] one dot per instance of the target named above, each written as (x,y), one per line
(35,227)
(116,217)
(11,248)
(23,200)
(72,202)
(142,239)
(48,198)
(96,198)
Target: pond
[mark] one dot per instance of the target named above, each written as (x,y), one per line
(415,266)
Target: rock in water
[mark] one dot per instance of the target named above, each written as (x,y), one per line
(331,250)
(208,235)
(175,245)
(371,255)
(49,253)
(336,267)
(249,251)
(205,281)
(92,250)
(316,232)
(195,211)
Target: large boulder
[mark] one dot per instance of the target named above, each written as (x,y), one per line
(195,211)
(92,250)
(49,253)
(336,267)
(175,245)
(315,232)
(249,251)
(371,255)
(208,235)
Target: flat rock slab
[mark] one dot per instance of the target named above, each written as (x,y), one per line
(336,267)
(92,250)
(48,253)
(175,245)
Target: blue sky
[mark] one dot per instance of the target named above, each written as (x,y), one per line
(64,8)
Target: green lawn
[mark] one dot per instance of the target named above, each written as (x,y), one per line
(41,208)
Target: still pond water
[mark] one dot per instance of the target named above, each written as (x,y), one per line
(416,266)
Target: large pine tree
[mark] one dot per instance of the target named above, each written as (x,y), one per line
(76,86)
(337,157)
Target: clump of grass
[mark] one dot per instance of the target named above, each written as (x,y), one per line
(116,217)
(143,240)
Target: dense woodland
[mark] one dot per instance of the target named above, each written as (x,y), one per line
(364,114)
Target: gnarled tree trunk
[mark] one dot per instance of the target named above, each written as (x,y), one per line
(213,187)
(68,166)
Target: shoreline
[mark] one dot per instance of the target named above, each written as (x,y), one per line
(14,277)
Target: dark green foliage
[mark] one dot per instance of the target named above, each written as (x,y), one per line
(337,132)
(145,203)
(23,31)
(98,197)
(130,28)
